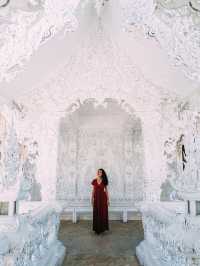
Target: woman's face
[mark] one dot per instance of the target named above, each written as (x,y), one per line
(99,173)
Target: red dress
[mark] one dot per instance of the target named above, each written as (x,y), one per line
(100,208)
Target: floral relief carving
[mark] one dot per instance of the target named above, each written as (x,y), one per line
(175,21)
(175,25)
(25,26)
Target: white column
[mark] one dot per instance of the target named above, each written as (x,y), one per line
(11,208)
(154,160)
(47,162)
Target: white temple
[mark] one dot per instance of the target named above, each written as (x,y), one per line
(99,83)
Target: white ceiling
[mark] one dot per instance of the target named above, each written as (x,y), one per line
(146,55)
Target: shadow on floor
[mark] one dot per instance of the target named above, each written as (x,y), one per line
(113,248)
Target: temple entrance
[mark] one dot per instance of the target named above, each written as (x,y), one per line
(102,136)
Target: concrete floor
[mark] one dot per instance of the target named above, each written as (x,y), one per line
(113,248)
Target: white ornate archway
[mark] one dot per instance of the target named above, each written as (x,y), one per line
(45,129)
(100,135)
(100,69)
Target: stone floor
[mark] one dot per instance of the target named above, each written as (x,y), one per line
(113,248)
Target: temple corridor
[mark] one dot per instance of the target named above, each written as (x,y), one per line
(116,247)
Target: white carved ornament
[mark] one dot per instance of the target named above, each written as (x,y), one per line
(175,24)
(25,25)
(102,75)
(112,141)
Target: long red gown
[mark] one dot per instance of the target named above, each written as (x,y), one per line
(100,208)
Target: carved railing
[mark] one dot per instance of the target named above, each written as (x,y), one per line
(170,237)
(31,239)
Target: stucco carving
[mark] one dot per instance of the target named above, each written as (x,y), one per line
(106,137)
(174,24)
(26,25)
(101,75)
(12,158)
(169,238)
(29,188)
(18,157)
(182,171)
(9,153)
(32,239)
(36,22)
(55,108)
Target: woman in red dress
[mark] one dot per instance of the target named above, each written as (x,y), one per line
(100,202)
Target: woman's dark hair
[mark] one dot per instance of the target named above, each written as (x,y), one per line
(104,177)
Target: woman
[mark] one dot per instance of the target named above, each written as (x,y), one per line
(100,202)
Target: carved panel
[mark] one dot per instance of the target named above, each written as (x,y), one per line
(106,138)
(9,154)
(174,24)
(33,21)
(100,148)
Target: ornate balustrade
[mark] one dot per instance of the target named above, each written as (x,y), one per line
(31,239)
(171,237)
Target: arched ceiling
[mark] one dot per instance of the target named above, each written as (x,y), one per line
(160,38)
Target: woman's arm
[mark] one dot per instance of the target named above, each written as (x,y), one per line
(106,191)
(92,199)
